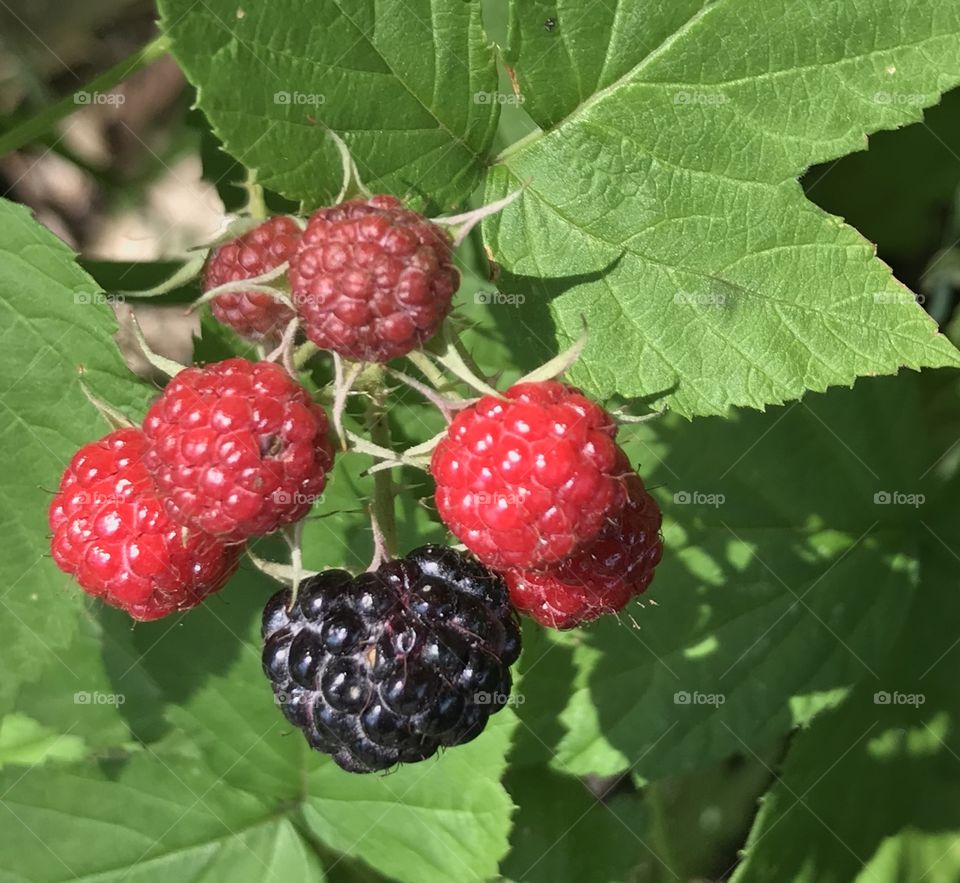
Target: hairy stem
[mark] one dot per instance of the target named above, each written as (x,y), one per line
(379,429)
(429,370)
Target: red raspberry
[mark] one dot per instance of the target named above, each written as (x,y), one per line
(238,448)
(600,577)
(524,481)
(371,279)
(261,249)
(111,533)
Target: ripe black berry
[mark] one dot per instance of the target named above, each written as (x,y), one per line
(389,666)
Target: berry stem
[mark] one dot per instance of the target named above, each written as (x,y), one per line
(383,516)
(283,573)
(353,186)
(256,203)
(164,365)
(447,350)
(284,351)
(294,538)
(559,364)
(188,272)
(254,283)
(115,419)
(30,130)
(344,379)
(303,353)
(465,222)
(433,374)
(447,407)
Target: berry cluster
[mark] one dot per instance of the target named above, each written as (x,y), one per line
(536,485)
(414,655)
(153,520)
(369,279)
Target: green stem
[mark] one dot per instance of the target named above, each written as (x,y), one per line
(30,130)
(256,202)
(517,146)
(433,374)
(303,353)
(383,491)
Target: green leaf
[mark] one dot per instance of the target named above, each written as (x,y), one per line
(564,50)
(665,212)
(897,192)
(208,704)
(56,325)
(563,832)
(23,741)
(150,819)
(894,747)
(403,84)
(774,598)
(438,821)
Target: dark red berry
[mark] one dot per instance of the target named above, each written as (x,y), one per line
(253,314)
(372,280)
(600,577)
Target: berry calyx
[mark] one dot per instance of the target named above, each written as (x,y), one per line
(372,280)
(252,314)
(523,481)
(392,665)
(237,448)
(600,577)
(111,533)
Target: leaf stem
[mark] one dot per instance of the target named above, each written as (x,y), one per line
(518,145)
(31,129)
